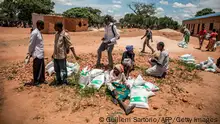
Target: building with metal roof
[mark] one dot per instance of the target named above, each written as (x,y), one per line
(210,22)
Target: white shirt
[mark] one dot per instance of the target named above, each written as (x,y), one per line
(36,46)
(109,35)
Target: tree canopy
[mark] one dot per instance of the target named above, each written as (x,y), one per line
(93,15)
(22,9)
(204,12)
(144,16)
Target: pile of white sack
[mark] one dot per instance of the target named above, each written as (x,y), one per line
(72,68)
(93,77)
(208,65)
(217,44)
(188,58)
(141,90)
(183,44)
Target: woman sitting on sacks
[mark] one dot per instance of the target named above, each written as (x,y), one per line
(118,89)
(128,60)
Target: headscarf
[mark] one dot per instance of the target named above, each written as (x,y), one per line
(119,67)
(129,48)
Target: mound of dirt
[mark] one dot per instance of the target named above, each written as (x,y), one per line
(169,30)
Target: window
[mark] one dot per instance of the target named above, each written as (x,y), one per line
(80,24)
(203,25)
(211,26)
(84,24)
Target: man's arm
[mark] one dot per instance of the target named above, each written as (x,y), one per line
(113,40)
(123,57)
(32,43)
(70,46)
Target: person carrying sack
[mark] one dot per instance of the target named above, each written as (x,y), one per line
(108,42)
(62,45)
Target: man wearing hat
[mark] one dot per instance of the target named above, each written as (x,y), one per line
(108,41)
(128,60)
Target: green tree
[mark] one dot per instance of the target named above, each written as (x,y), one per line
(143,9)
(204,12)
(8,10)
(27,7)
(93,15)
(22,9)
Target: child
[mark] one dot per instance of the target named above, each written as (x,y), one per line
(148,36)
(128,60)
(118,89)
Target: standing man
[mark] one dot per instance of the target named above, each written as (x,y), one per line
(62,45)
(186,34)
(202,35)
(36,50)
(108,41)
(148,36)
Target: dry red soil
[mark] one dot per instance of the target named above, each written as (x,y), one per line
(182,94)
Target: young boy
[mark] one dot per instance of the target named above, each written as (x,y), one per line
(128,60)
(148,36)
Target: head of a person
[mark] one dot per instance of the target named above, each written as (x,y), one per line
(129,48)
(147,26)
(160,46)
(58,26)
(203,27)
(118,69)
(213,30)
(107,20)
(40,25)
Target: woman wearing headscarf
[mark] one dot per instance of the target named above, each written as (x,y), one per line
(118,89)
(212,40)
(128,60)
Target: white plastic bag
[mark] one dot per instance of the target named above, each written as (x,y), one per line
(95,72)
(139,81)
(107,76)
(151,87)
(139,97)
(49,65)
(97,82)
(187,58)
(130,82)
(50,71)
(84,77)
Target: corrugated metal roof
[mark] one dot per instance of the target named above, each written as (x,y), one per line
(205,16)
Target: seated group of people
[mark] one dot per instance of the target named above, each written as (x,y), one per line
(159,63)
(116,84)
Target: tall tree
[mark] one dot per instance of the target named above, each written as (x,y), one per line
(27,7)
(143,9)
(204,12)
(93,15)
(8,10)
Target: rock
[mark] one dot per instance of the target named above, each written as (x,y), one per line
(155,107)
(184,100)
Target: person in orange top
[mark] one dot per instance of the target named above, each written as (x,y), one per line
(212,40)
(202,35)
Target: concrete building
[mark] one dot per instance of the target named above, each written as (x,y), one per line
(210,21)
(70,24)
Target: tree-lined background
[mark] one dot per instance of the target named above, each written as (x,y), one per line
(13,12)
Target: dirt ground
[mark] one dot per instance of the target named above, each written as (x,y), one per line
(179,97)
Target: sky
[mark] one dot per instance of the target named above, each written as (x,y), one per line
(177,9)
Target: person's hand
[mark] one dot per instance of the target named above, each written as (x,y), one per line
(52,57)
(115,92)
(27,59)
(103,38)
(142,38)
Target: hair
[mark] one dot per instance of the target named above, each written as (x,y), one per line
(59,25)
(39,22)
(213,30)
(161,44)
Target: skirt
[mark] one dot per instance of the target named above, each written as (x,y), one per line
(122,91)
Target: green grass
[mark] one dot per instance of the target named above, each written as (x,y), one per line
(189,67)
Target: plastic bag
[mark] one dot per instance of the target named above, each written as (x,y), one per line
(139,97)
(139,81)
(183,44)
(151,87)
(50,71)
(95,72)
(84,76)
(130,82)
(107,76)
(49,65)
(127,62)
(187,58)
(97,82)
